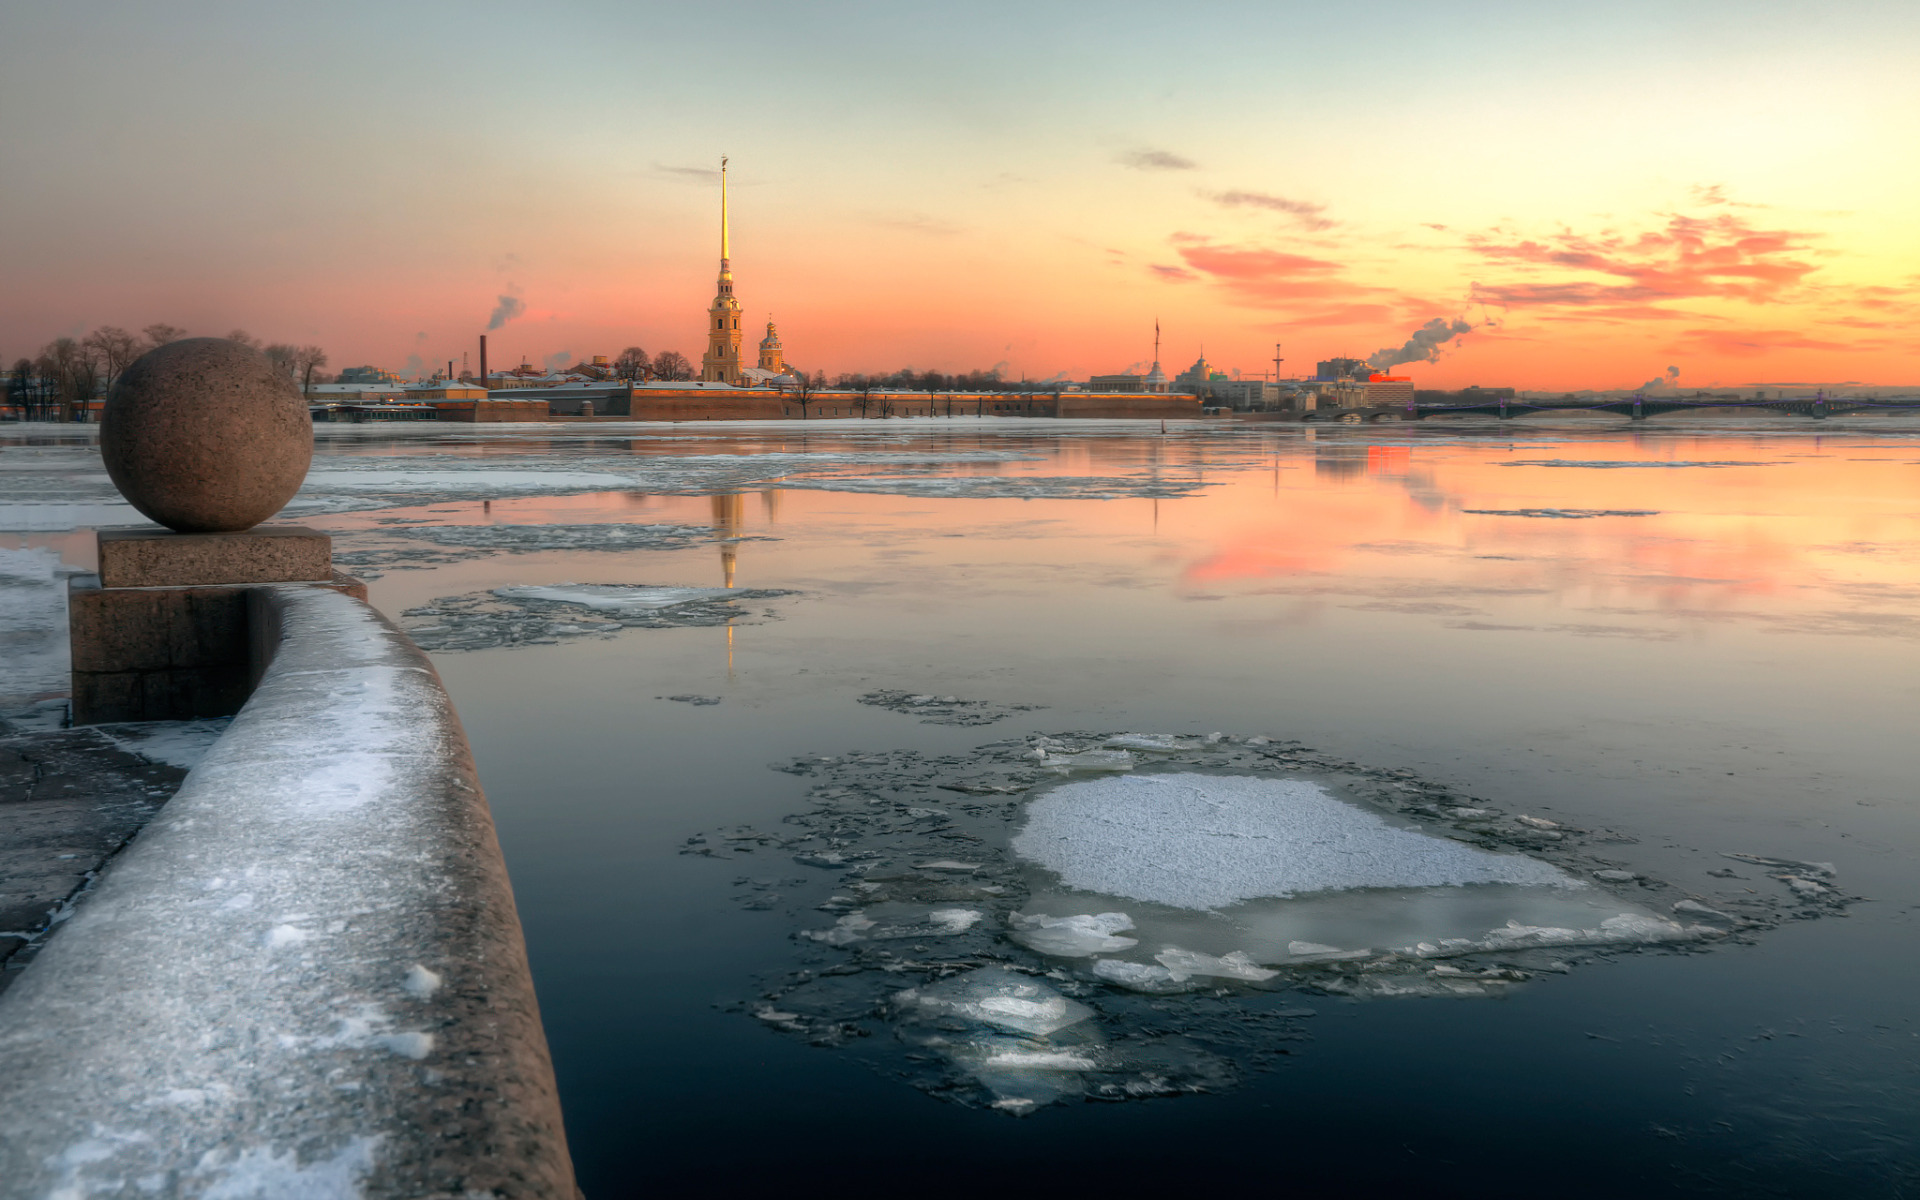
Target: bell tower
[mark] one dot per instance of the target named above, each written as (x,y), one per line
(721,362)
(772,358)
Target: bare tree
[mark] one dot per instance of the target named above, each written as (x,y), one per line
(20,387)
(115,348)
(802,392)
(863,384)
(632,364)
(672,365)
(244,338)
(281,355)
(160,335)
(307,360)
(72,369)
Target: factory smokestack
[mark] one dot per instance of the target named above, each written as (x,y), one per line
(483,360)
(1423,346)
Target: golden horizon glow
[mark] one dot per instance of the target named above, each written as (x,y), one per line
(1580,199)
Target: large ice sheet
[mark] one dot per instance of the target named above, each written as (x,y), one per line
(1208,841)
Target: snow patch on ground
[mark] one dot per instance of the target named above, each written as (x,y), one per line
(1206,841)
(176,743)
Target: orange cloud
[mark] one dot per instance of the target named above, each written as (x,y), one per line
(1722,256)
(1747,343)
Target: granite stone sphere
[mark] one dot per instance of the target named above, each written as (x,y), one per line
(204,436)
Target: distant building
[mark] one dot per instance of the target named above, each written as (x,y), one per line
(1128,384)
(1335,369)
(373,375)
(1389,390)
(1194,379)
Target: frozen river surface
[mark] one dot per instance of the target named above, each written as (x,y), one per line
(787,928)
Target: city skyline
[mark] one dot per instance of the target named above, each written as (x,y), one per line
(1711,197)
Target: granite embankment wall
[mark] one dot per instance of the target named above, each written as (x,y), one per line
(306,976)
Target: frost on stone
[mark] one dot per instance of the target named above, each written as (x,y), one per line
(518,616)
(1203,842)
(944,710)
(1072,937)
(1287,874)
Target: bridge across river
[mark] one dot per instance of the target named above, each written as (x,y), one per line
(1636,408)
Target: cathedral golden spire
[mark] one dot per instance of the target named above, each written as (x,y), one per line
(721,363)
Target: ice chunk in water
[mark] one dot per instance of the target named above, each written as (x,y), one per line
(955,920)
(1039,1060)
(997,996)
(845,931)
(1206,841)
(1182,964)
(1140,977)
(1162,743)
(1626,928)
(1087,760)
(1072,937)
(1316,952)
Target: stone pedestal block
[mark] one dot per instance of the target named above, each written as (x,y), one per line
(164,653)
(147,557)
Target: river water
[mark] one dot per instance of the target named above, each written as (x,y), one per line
(1700,636)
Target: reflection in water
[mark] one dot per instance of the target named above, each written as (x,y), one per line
(729,513)
(1732,673)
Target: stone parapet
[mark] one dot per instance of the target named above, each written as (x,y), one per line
(306,976)
(155,557)
(163,653)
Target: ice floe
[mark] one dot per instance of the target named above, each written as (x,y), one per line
(1202,842)
(942,941)
(369,553)
(545,614)
(944,710)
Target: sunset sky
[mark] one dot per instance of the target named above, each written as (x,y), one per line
(1603,195)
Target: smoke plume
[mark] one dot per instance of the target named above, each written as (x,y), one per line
(1663,381)
(1423,346)
(508,308)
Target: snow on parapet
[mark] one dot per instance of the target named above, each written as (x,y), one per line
(1207,841)
(314,943)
